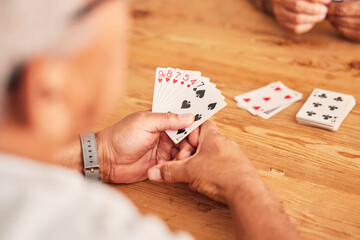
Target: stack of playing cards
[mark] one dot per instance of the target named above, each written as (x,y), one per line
(180,91)
(325,109)
(269,100)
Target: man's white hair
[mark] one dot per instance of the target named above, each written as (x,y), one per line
(28,28)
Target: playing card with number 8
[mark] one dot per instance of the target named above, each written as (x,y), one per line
(181,91)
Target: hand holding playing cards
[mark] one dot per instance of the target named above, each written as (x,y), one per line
(299,16)
(128,149)
(214,168)
(220,170)
(345,17)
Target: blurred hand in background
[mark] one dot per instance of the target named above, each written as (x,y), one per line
(300,16)
(345,17)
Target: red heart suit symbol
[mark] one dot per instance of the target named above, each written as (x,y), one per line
(174,81)
(288,97)
(278,89)
(256,107)
(160,80)
(266,99)
(247,99)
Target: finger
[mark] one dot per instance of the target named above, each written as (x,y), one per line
(207,128)
(325,2)
(287,16)
(346,9)
(158,122)
(174,153)
(186,150)
(298,29)
(164,149)
(171,172)
(306,7)
(194,137)
(346,22)
(350,34)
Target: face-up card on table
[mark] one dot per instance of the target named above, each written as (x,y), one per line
(268,114)
(267,98)
(326,108)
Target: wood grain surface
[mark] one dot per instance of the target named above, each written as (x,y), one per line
(314,173)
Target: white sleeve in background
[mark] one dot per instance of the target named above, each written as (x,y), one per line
(40,202)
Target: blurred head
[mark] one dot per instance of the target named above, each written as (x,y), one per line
(62,63)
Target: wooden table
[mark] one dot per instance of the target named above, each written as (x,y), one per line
(315,173)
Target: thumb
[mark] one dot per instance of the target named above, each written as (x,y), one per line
(158,122)
(170,172)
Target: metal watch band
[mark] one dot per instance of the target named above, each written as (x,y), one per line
(90,157)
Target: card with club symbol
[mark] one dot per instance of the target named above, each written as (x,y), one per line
(269,100)
(181,91)
(325,109)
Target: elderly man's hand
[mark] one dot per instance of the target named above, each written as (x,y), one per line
(128,149)
(345,17)
(299,16)
(214,168)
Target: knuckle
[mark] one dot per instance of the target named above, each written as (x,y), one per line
(212,124)
(188,166)
(219,143)
(297,19)
(143,114)
(216,144)
(232,144)
(297,6)
(277,11)
(340,11)
(166,172)
(229,148)
(168,115)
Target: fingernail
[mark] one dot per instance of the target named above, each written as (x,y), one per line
(186,117)
(155,174)
(187,154)
(324,10)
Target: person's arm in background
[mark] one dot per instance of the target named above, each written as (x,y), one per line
(345,17)
(220,170)
(297,16)
(129,148)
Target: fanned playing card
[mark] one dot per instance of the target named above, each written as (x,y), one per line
(325,109)
(181,91)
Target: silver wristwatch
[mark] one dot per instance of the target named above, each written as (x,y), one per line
(90,157)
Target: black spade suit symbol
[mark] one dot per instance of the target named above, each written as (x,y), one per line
(211,106)
(198,117)
(185,104)
(200,93)
(181,131)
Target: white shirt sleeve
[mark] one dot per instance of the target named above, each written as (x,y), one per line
(39,202)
